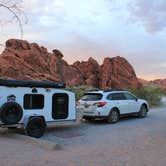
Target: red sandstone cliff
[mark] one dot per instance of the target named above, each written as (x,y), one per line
(23,60)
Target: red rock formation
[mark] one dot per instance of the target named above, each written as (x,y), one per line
(90,71)
(22,60)
(118,73)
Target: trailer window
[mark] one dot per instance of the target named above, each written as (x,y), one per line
(33,101)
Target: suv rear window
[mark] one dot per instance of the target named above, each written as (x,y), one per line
(92,97)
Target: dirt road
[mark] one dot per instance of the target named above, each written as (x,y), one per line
(130,142)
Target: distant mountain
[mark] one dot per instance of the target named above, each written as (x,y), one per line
(143,81)
(159,82)
(29,61)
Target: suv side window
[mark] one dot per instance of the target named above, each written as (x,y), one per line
(129,96)
(116,96)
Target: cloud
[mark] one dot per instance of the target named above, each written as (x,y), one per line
(80,47)
(71,12)
(150,13)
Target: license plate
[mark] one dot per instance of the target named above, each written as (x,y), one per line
(86,106)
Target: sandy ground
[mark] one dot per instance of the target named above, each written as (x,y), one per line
(130,142)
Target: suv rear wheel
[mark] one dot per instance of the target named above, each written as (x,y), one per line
(113,116)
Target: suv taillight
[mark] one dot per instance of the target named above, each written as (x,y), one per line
(100,104)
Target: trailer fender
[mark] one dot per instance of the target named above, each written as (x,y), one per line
(28,117)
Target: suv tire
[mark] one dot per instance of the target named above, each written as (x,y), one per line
(35,127)
(143,111)
(113,116)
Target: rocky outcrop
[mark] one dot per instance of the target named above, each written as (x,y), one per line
(90,71)
(117,73)
(23,60)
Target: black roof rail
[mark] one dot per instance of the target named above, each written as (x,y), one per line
(91,90)
(29,83)
(112,90)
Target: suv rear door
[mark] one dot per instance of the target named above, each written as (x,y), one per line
(118,100)
(89,99)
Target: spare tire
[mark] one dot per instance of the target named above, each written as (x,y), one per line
(11,113)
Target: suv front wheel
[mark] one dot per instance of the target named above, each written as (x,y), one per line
(143,111)
(113,116)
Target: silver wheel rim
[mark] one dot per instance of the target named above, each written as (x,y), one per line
(143,112)
(114,116)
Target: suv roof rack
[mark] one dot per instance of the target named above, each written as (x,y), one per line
(29,83)
(112,90)
(93,90)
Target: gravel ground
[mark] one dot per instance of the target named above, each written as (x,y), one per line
(130,142)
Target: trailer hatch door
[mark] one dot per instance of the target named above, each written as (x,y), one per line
(60,102)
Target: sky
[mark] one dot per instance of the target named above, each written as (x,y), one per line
(134,29)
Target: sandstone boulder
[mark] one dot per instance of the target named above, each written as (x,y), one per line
(117,73)
(90,71)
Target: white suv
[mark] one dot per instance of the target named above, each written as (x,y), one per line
(111,105)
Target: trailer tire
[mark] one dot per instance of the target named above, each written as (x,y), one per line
(11,113)
(35,127)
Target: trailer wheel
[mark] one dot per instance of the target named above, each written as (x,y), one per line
(35,127)
(11,113)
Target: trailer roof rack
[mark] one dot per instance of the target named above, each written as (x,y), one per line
(29,83)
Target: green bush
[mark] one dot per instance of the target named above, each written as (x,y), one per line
(150,93)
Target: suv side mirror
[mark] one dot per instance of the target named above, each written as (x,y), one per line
(136,99)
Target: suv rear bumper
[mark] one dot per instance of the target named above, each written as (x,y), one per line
(94,117)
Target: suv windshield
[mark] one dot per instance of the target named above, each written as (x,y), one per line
(92,97)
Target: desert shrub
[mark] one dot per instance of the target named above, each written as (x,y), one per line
(150,93)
